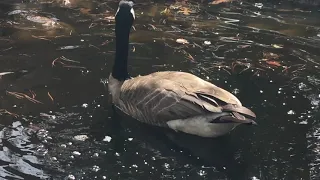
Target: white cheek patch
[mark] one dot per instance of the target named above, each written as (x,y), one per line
(132,12)
(117,12)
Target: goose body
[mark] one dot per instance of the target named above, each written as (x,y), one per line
(177,100)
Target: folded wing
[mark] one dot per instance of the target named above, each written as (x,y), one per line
(163,96)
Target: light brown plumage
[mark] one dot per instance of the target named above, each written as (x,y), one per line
(163,96)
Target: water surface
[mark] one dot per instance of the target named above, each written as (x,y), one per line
(57,121)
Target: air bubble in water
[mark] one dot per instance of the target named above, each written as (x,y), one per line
(76,153)
(167,166)
(291,112)
(302,86)
(71,177)
(95,168)
(107,138)
(81,137)
(63,145)
(202,173)
(254,178)
(303,122)
(207,42)
(258,5)
(235,91)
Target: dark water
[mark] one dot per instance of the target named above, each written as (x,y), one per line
(266,54)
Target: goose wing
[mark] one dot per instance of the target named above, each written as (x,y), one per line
(164,96)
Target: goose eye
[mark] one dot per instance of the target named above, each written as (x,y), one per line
(132,12)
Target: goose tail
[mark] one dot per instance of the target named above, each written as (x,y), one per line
(237,114)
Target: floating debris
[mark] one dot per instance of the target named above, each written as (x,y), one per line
(202,173)
(182,41)
(63,145)
(303,122)
(254,178)
(24,96)
(69,47)
(52,117)
(82,137)
(76,153)
(291,112)
(278,46)
(220,1)
(71,177)
(51,98)
(4,111)
(16,12)
(107,138)
(207,42)
(258,5)
(5,73)
(62,58)
(273,63)
(236,91)
(185,11)
(95,168)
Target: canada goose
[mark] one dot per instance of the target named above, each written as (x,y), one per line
(177,100)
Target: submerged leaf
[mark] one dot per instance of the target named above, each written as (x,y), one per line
(270,55)
(273,63)
(166,12)
(185,11)
(220,1)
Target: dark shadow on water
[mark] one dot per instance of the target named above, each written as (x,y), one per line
(219,154)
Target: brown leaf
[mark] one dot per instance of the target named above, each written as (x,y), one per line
(185,11)
(220,1)
(273,63)
(50,96)
(190,57)
(166,12)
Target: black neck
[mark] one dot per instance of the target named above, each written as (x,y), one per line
(120,70)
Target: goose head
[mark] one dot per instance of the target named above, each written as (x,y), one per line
(124,16)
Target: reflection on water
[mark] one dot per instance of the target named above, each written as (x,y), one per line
(57,121)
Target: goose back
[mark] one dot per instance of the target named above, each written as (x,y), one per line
(163,96)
